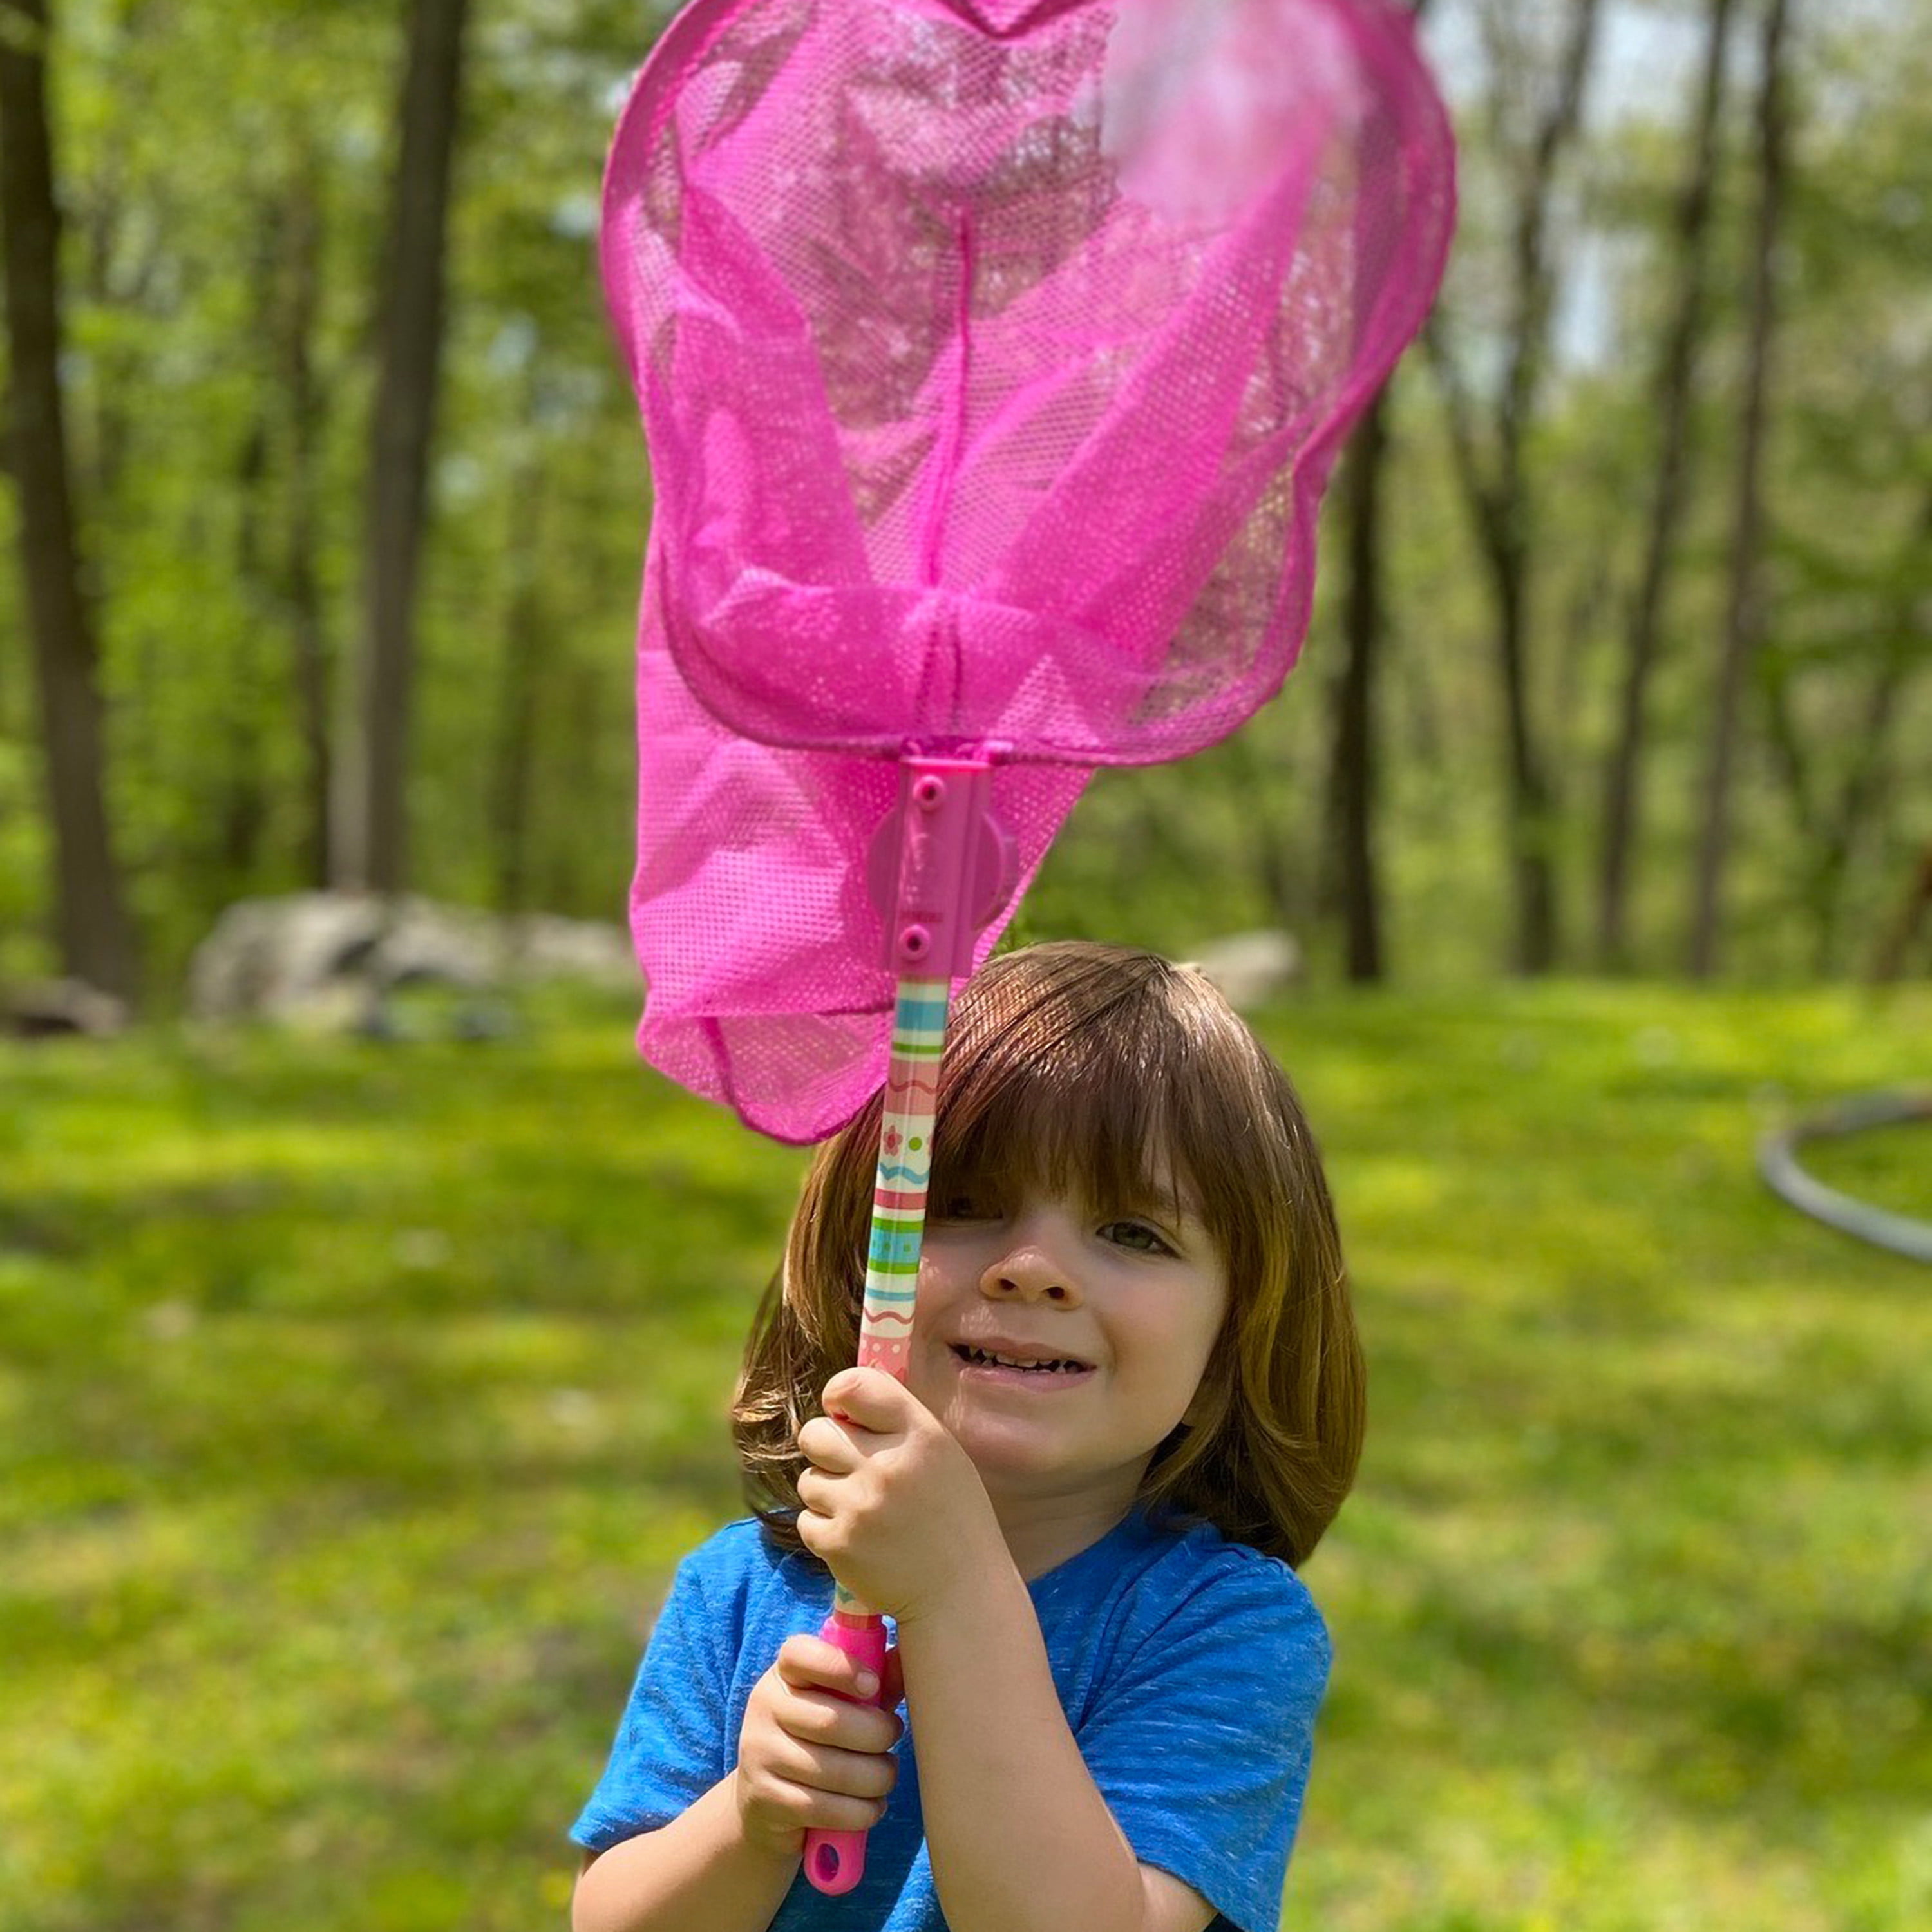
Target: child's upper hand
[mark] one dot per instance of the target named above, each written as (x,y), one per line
(892,1503)
(809,1760)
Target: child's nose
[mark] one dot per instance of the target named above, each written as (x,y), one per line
(1033,1268)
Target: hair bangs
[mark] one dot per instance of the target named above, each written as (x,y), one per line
(1124,1090)
(1094,1132)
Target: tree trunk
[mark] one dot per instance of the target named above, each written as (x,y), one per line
(1833,834)
(1896,946)
(369,829)
(1744,622)
(523,660)
(1532,816)
(1498,490)
(95,937)
(301,576)
(1905,622)
(1354,876)
(241,797)
(1622,789)
(1353,771)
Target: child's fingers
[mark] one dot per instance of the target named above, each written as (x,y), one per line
(793,1803)
(869,1398)
(827,1811)
(839,1774)
(816,1717)
(809,1663)
(826,1445)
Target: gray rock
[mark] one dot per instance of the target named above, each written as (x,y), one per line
(330,959)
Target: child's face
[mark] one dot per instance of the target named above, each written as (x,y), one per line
(1132,1299)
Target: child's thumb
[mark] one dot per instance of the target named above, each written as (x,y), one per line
(894,1694)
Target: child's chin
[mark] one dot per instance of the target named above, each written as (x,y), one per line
(1001,1449)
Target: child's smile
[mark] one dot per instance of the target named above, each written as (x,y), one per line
(1061,1345)
(996,1360)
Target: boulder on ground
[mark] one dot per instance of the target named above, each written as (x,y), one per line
(333,958)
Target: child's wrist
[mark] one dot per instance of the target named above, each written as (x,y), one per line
(984,1591)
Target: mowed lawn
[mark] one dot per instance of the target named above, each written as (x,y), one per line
(356,1401)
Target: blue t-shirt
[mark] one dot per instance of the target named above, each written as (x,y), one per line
(1190,1669)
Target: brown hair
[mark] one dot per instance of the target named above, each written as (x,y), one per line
(1067,1066)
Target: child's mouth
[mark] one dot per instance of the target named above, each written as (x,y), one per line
(1056,1371)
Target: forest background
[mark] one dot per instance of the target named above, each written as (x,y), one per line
(357,1396)
(335,500)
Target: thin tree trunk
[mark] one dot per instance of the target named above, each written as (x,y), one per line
(242,811)
(369,843)
(242,801)
(1353,772)
(517,718)
(1895,947)
(1500,499)
(1904,625)
(96,937)
(1744,623)
(1354,874)
(1622,789)
(302,577)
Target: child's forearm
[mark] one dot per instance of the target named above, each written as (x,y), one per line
(1020,1838)
(700,1870)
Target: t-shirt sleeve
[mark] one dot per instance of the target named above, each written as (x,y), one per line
(1201,1739)
(670,1747)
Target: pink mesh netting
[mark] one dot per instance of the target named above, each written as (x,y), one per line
(992,357)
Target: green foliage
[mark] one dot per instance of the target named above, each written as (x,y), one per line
(356,1402)
(202,140)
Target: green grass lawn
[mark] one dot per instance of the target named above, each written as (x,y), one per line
(355,1403)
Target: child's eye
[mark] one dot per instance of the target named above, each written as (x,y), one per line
(1136,1236)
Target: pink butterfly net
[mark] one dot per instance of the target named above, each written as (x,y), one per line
(992,358)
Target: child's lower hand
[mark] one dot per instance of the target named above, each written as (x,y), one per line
(892,1503)
(809,1760)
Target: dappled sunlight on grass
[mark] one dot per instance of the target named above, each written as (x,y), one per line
(356,1401)
(1628,1631)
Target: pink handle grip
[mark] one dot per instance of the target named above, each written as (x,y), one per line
(835,1862)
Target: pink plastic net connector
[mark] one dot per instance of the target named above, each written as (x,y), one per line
(940,868)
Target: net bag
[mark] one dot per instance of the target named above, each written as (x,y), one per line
(992,359)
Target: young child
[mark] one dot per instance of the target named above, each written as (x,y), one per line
(1134,1402)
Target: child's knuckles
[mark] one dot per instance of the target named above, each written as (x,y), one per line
(823,1660)
(801,1661)
(862,1727)
(884,1728)
(849,1814)
(794,1807)
(816,1719)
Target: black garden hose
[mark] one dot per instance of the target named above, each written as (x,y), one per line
(1777,1162)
